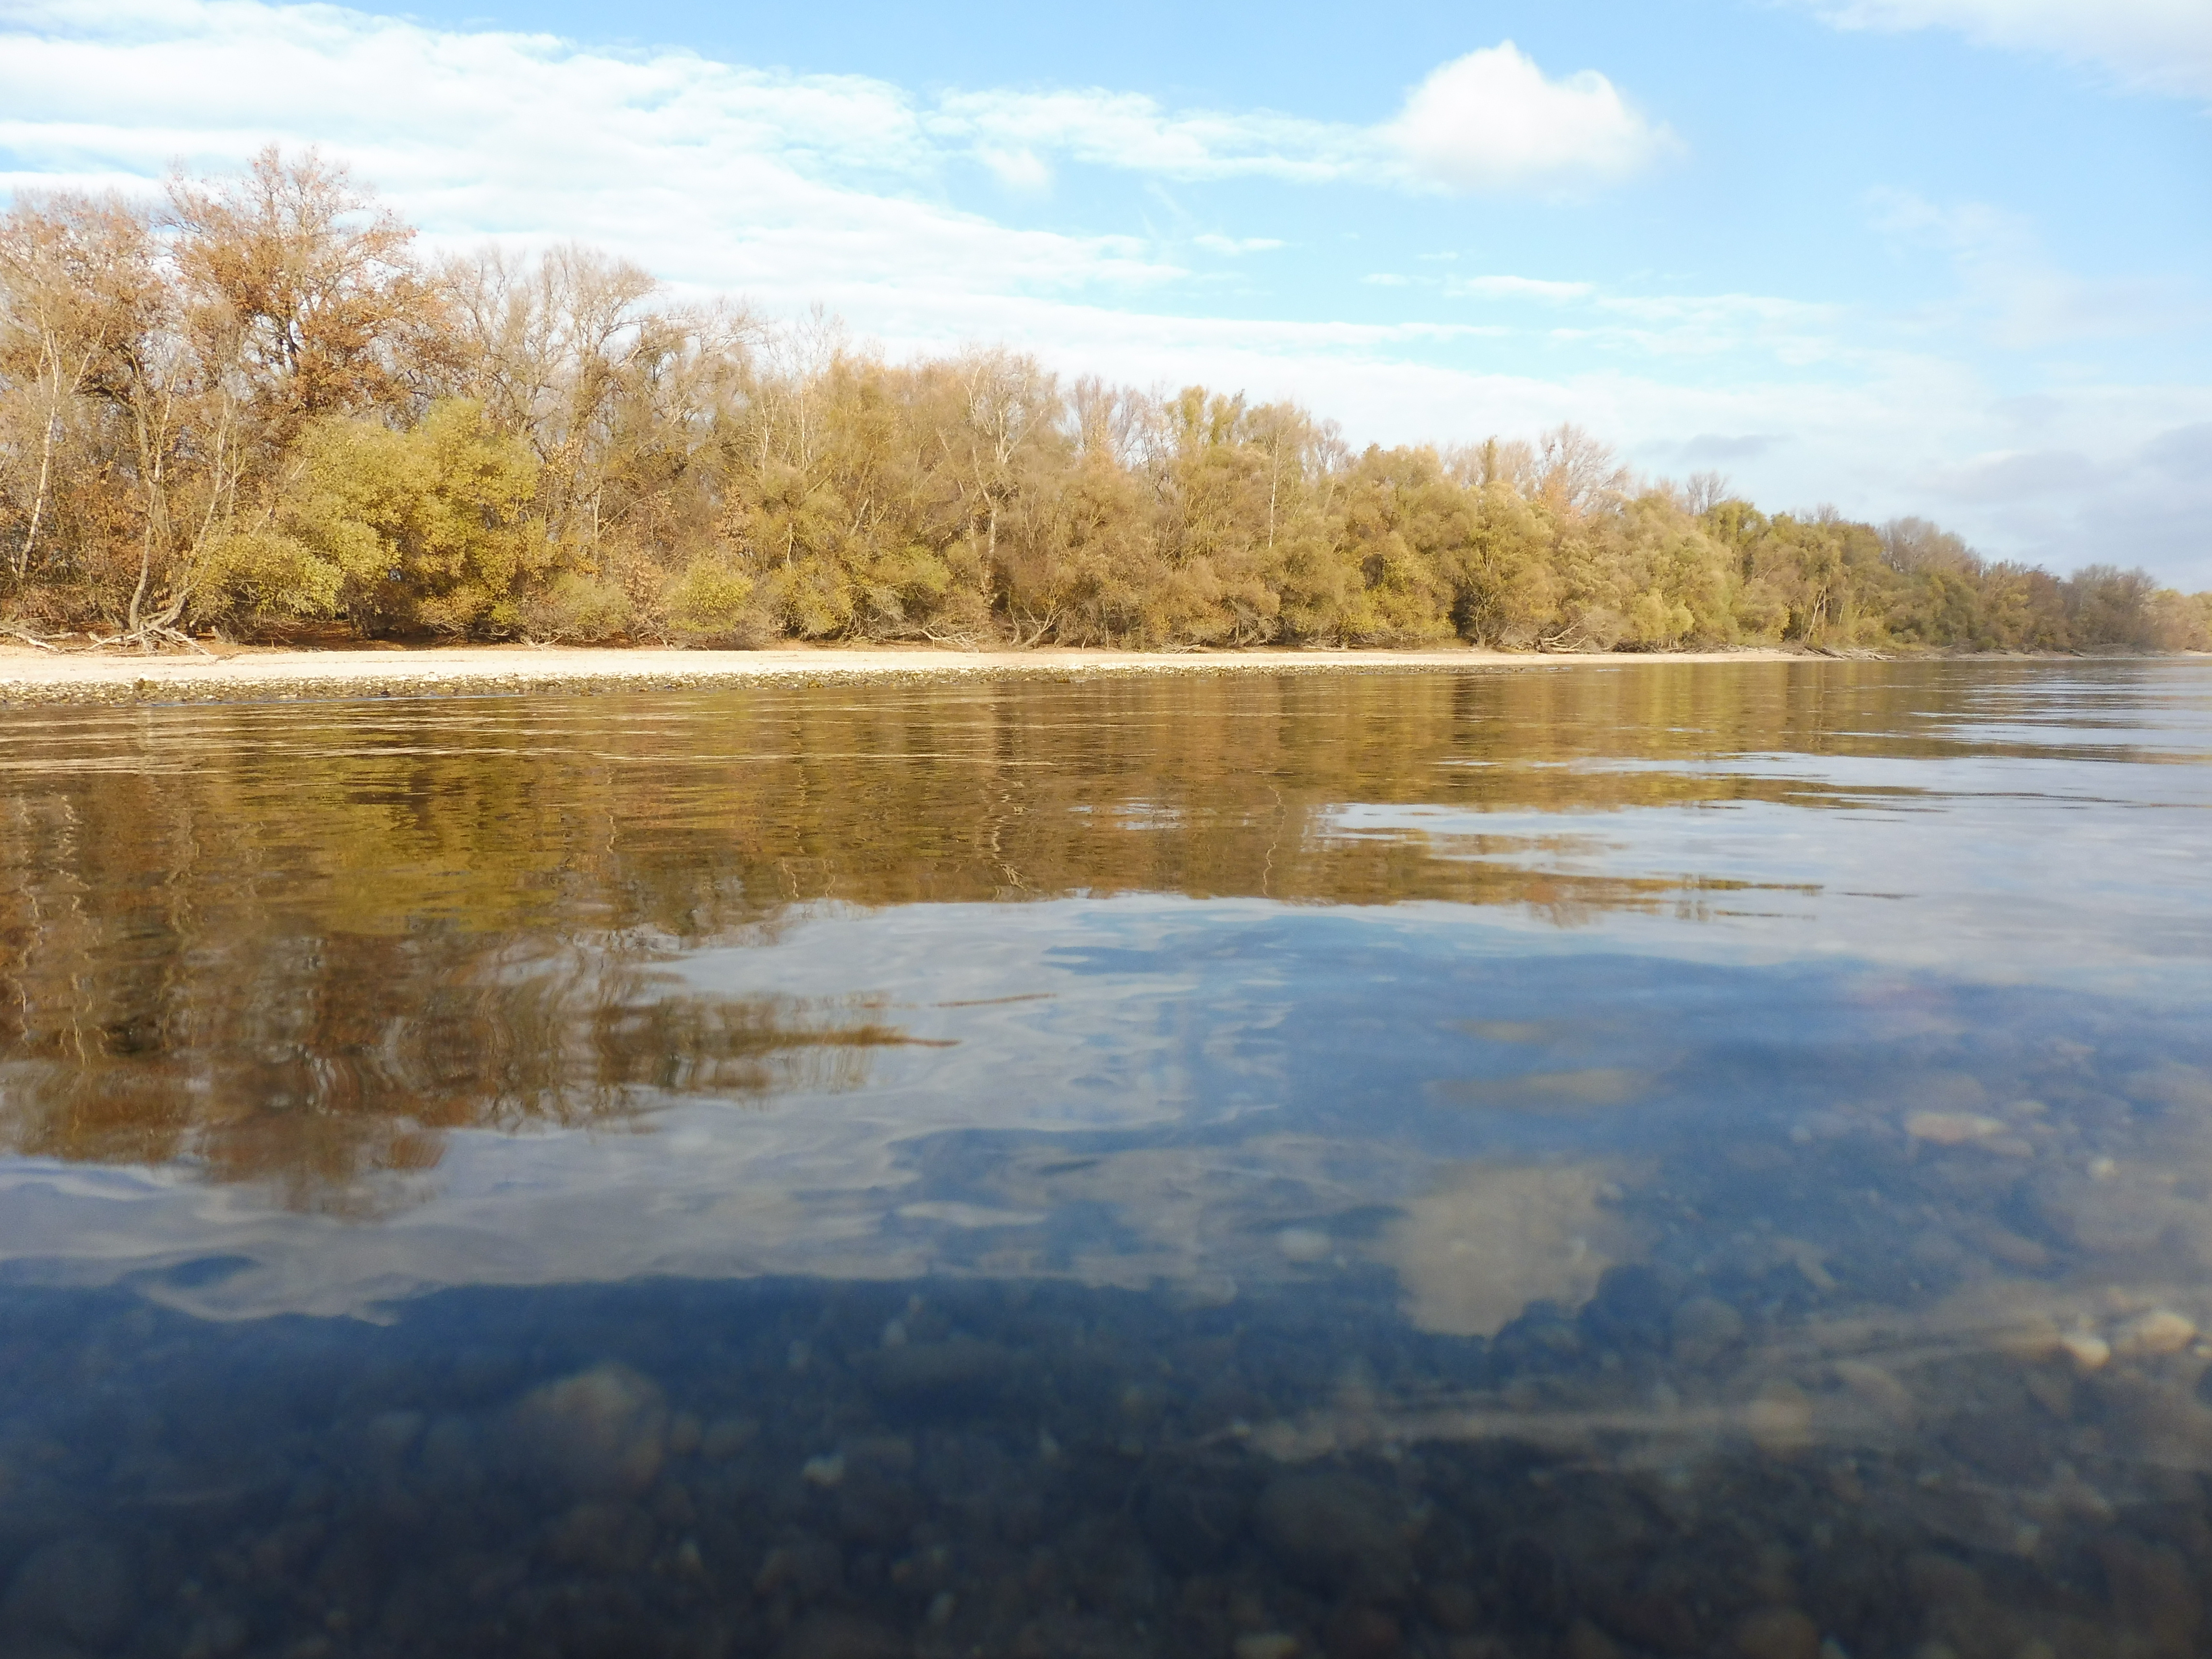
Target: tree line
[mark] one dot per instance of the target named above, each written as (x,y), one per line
(255,408)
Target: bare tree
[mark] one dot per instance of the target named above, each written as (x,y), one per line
(1706,491)
(1914,545)
(1577,471)
(1508,461)
(77,287)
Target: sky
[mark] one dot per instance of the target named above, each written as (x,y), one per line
(1949,258)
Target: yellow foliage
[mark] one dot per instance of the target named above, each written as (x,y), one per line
(547,446)
(427,527)
(712,599)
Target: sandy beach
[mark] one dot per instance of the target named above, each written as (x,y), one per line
(32,676)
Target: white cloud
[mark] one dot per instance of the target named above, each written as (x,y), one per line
(1017,169)
(1130,131)
(2155,45)
(713,174)
(1234,244)
(1516,287)
(1492,120)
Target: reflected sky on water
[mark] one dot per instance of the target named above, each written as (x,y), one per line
(1230,1112)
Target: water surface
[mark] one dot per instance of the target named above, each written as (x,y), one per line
(1608,1159)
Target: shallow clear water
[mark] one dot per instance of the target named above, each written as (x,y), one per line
(1594,1160)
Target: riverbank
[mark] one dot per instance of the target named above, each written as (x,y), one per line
(31,677)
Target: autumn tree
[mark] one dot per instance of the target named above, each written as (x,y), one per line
(292,276)
(254,405)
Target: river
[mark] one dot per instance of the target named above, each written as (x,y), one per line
(1607,1160)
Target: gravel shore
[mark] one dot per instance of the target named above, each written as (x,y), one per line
(30,677)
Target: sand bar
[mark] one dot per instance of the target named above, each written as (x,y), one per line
(30,677)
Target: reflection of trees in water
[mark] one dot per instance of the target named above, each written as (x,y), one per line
(302,943)
(314,1059)
(318,1061)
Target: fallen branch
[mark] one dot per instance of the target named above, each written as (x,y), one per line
(144,636)
(1051,616)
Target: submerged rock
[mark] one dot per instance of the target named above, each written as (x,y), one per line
(958,1368)
(1191,1524)
(1778,1633)
(78,1589)
(2161,1331)
(1361,1632)
(1704,1326)
(830,1635)
(725,1437)
(602,1433)
(602,1538)
(1780,1419)
(1337,1533)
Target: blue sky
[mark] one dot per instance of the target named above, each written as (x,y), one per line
(1944,257)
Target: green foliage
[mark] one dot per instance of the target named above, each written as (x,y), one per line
(576,606)
(424,529)
(265,574)
(712,601)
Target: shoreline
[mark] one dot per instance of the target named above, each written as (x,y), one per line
(32,678)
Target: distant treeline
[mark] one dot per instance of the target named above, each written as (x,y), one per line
(256,408)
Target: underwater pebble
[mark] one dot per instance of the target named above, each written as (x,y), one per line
(1780,1419)
(812,1567)
(1778,1633)
(1265,1645)
(449,1449)
(2161,1331)
(829,1634)
(1336,1532)
(1586,1641)
(1879,1388)
(1358,1633)
(601,1537)
(216,1637)
(2089,1349)
(77,1588)
(725,1437)
(1952,1129)
(958,1364)
(393,1433)
(1190,1525)
(603,1432)
(1204,1290)
(1705,1324)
